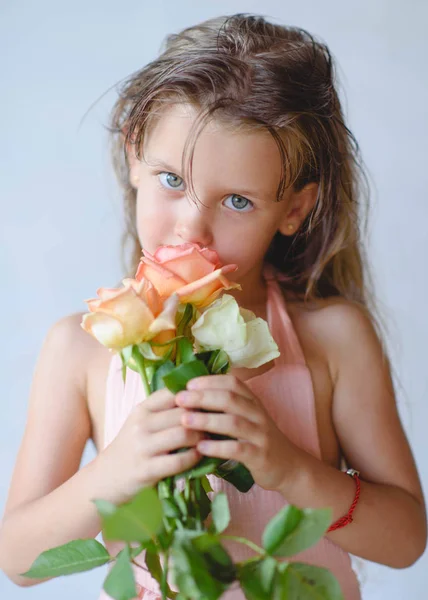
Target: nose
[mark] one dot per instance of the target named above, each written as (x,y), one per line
(193,224)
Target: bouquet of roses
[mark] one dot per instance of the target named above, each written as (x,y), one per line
(172,323)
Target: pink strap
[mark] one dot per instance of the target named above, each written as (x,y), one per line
(279,320)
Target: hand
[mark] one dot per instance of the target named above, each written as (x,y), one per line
(140,456)
(233,410)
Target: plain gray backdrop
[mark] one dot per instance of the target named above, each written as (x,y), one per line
(60,208)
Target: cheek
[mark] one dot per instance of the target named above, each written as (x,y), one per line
(154,222)
(233,247)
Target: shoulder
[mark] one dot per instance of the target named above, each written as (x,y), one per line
(67,341)
(337,328)
(79,363)
(67,330)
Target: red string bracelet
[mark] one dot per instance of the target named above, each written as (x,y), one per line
(348,517)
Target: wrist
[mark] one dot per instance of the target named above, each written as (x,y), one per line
(293,474)
(102,479)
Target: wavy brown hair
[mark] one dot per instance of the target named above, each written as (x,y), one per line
(246,71)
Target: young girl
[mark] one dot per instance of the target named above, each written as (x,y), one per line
(234,139)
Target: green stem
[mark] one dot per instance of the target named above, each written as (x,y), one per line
(164,579)
(196,485)
(249,560)
(143,374)
(185,320)
(242,540)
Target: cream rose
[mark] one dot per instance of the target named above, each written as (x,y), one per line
(129,315)
(245,338)
(192,272)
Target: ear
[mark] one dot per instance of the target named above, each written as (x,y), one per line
(299,205)
(133,164)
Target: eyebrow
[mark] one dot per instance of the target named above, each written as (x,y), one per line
(156,162)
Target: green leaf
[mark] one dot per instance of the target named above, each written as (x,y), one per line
(157,381)
(170,508)
(201,498)
(205,482)
(146,350)
(138,549)
(205,466)
(205,357)
(280,526)
(220,512)
(127,353)
(185,350)
(138,358)
(73,557)
(153,564)
(236,474)
(219,363)
(128,358)
(257,578)
(181,502)
(135,521)
(218,560)
(165,487)
(164,539)
(191,572)
(120,581)
(177,379)
(123,367)
(309,529)
(298,581)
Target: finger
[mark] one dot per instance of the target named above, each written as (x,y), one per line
(173,439)
(219,401)
(158,421)
(240,451)
(221,382)
(224,424)
(172,464)
(159,400)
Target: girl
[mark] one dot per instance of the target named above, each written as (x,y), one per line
(234,138)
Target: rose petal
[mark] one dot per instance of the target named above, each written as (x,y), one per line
(204,291)
(165,253)
(165,282)
(104,328)
(190,265)
(221,326)
(259,349)
(166,320)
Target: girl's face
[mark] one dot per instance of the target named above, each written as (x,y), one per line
(235,177)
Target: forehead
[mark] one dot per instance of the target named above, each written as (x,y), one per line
(237,156)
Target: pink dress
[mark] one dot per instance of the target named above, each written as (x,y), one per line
(286,391)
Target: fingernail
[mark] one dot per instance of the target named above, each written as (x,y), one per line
(184,397)
(189,418)
(193,384)
(204,446)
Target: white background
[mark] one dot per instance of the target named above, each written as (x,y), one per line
(60,208)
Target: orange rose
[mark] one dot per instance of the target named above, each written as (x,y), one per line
(192,272)
(130,315)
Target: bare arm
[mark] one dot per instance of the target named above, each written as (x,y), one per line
(49,500)
(390,521)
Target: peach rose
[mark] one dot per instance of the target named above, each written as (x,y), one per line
(129,315)
(192,272)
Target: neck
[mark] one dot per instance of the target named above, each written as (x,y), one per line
(253,295)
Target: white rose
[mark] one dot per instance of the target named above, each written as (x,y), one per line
(245,338)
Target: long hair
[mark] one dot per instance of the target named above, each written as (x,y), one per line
(246,71)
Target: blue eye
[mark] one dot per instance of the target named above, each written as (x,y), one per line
(171,181)
(239,203)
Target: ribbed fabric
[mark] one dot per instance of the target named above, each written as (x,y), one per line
(286,391)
